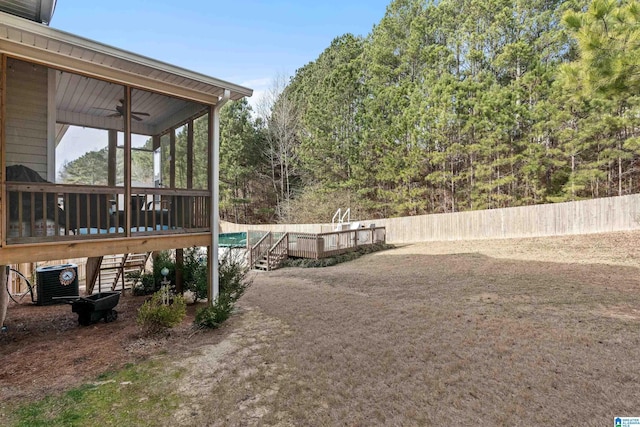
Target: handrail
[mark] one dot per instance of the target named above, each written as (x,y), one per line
(43,187)
(255,254)
(47,187)
(41,212)
(347,213)
(340,216)
(328,233)
(280,250)
(333,220)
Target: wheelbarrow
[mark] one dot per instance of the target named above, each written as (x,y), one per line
(95,307)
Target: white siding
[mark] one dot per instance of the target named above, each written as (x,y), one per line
(26,119)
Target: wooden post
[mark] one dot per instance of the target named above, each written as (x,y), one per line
(319,247)
(4,296)
(4,217)
(190,154)
(111,160)
(92,272)
(127,160)
(179,270)
(172,158)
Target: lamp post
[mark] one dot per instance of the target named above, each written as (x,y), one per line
(165,285)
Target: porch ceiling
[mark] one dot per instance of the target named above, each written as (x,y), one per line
(83,101)
(32,41)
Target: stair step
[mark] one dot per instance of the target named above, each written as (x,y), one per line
(115,268)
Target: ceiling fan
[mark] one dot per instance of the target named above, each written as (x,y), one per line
(119,112)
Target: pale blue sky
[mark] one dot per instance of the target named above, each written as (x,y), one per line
(247,42)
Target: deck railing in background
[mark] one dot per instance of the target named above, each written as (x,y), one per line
(278,252)
(260,248)
(323,245)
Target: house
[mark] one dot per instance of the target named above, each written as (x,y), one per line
(54,84)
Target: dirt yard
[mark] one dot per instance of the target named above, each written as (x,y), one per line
(503,332)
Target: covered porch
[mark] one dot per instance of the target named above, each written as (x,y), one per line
(147,134)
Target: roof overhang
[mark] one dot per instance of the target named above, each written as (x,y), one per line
(35,10)
(35,42)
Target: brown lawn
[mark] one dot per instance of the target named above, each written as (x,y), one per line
(505,332)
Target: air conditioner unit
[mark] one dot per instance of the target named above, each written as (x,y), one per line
(56,281)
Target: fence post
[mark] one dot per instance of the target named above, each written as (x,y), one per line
(319,247)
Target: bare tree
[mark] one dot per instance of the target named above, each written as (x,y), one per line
(281,118)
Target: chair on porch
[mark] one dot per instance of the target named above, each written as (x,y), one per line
(92,214)
(152,215)
(20,206)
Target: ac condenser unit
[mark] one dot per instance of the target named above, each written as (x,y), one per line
(56,281)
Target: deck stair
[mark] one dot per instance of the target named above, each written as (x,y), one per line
(112,271)
(270,262)
(266,256)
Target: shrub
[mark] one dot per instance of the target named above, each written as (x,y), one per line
(195,272)
(213,316)
(233,283)
(328,262)
(143,283)
(148,283)
(154,316)
(232,273)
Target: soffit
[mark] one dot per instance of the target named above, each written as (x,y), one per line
(32,41)
(34,10)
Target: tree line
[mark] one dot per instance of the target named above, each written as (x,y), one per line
(445,106)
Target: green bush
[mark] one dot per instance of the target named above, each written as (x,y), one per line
(233,283)
(143,283)
(232,273)
(195,272)
(148,283)
(154,316)
(213,316)
(328,262)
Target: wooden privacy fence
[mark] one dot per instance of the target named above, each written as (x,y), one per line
(581,217)
(609,214)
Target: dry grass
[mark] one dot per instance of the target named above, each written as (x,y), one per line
(524,332)
(460,333)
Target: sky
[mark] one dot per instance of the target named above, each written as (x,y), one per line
(246,42)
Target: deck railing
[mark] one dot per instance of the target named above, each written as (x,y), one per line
(323,245)
(278,252)
(49,212)
(304,245)
(260,249)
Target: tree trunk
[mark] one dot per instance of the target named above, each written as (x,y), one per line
(619,176)
(573,170)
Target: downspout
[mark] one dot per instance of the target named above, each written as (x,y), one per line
(215,194)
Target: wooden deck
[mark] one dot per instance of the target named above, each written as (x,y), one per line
(270,248)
